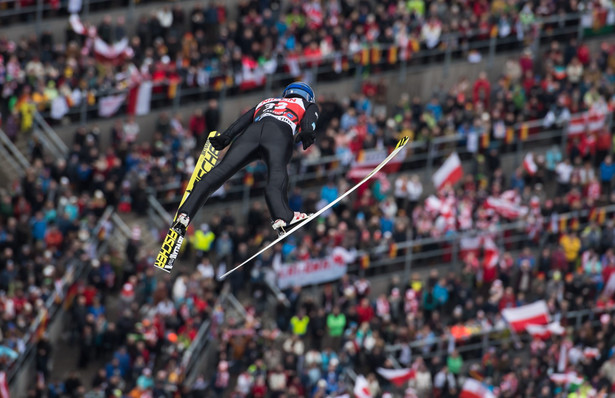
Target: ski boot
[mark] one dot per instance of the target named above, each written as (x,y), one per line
(279,224)
(181,223)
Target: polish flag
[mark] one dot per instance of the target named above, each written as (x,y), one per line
(531,314)
(595,121)
(591,122)
(576,126)
(505,208)
(140,98)
(449,173)
(361,388)
(566,378)
(469,244)
(397,376)
(511,196)
(529,165)
(546,331)
(491,251)
(474,389)
(77,25)
(252,75)
(590,352)
(433,204)
(109,105)
(114,54)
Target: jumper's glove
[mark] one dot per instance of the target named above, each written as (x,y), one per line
(307,138)
(220,142)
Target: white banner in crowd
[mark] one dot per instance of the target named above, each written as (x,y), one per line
(109,105)
(314,271)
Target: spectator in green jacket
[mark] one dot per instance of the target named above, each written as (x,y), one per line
(336,323)
(454,362)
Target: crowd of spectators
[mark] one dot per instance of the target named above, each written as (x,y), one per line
(562,258)
(46,229)
(207,47)
(485,116)
(317,340)
(143,338)
(48,216)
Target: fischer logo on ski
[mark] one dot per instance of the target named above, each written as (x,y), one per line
(169,250)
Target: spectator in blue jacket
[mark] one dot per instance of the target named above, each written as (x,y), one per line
(607,170)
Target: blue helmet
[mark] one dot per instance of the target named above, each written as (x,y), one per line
(299,89)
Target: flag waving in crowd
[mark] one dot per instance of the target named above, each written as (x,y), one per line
(449,173)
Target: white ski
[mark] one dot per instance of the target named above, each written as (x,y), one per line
(397,149)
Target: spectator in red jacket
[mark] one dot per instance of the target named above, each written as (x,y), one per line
(508,299)
(365,312)
(482,90)
(197,127)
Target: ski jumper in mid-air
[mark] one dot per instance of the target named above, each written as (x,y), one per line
(268,132)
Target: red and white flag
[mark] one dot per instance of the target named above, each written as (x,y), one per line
(530,314)
(543,332)
(397,376)
(505,208)
(433,204)
(566,378)
(4,386)
(596,121)
(491,253)
(529,165)
(115,53)
(77,25)
(449,173)
(469,244)
(590,352)
(591,122)
(361,388)
(475,389)
(140,98)
(109,105)
(576,126)
(252,75)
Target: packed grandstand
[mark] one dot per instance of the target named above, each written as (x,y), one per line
(480,264)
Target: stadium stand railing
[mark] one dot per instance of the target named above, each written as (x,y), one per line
(480,340)
(410,254)
(51,140)
(12,156)
(206,335)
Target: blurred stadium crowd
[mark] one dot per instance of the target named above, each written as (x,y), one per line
(316,343)
(205,48)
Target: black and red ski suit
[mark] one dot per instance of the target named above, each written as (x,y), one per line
(268,132)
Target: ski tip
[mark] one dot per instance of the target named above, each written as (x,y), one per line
(402,142)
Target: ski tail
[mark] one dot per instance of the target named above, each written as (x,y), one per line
(170,249)
(172,243)
(400,145)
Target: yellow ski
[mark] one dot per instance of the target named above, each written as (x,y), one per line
(174,239)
